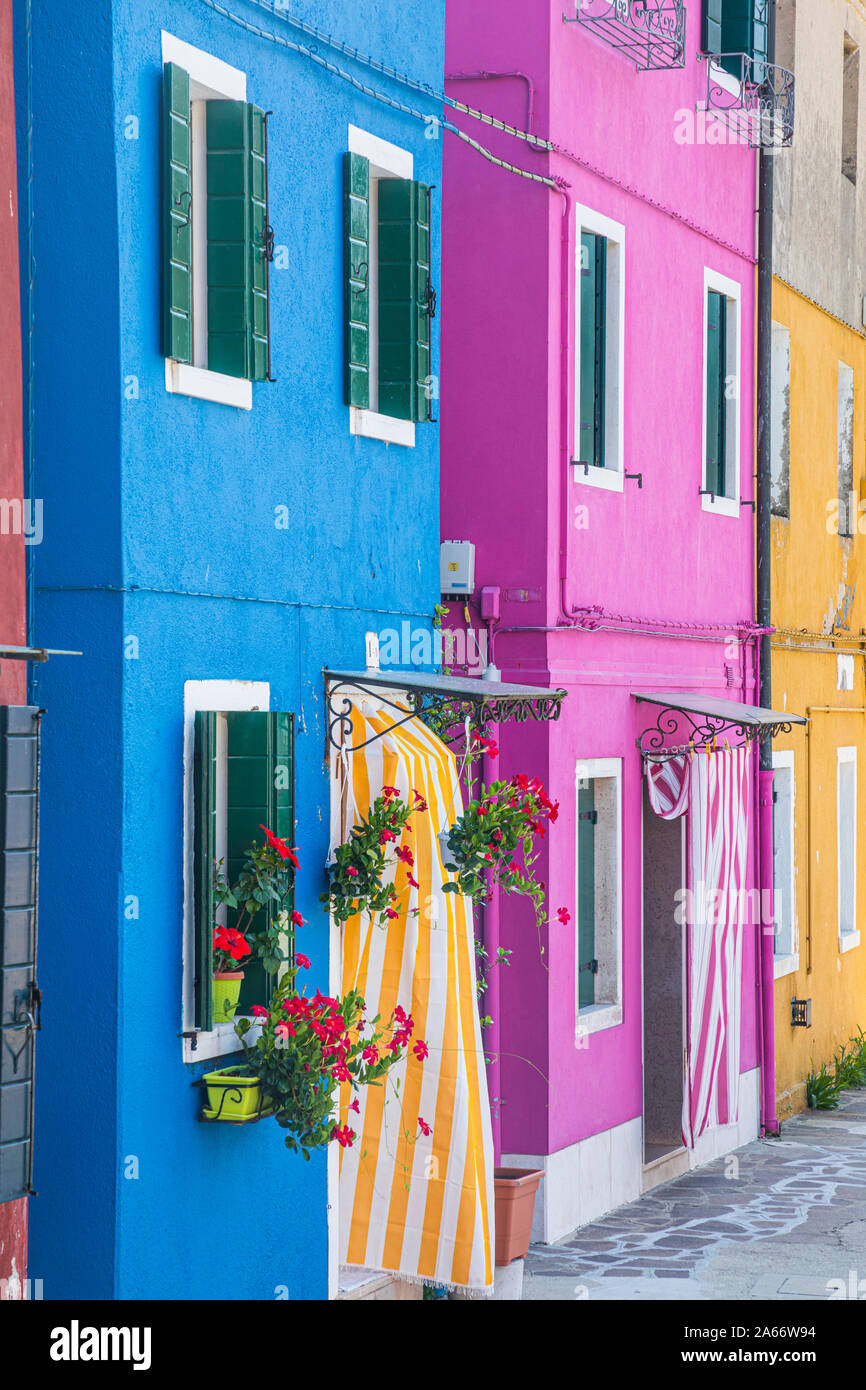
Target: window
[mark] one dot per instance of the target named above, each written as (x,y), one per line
(599,895)
(846,846)
(599,350)
(850,107)
(780,422)
(735,27)
(721,486)
(389,299)
(783,864)
(845,450)
(216,234)
(238,775)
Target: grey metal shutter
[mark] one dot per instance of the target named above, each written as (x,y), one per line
(19,994)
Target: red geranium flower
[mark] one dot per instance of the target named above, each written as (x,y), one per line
(355,1106)
(259,1011)
(564,915)
(298,919)
(280,846)
(352,871)
(420,1049)
(420,803)
(423,1126)
(412,882)
(303,962)
(389,792)
(344,1136)
(405,854)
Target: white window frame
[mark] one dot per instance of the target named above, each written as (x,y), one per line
(206,695)
(611,477)
(786,962)
(847,940)
(780,443)
(210,79)
(846,388)
(596,1018)
(733,291)
(389,162)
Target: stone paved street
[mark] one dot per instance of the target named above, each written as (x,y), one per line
(779,1223)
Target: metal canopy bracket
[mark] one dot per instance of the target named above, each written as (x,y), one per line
(754,99)
(705,720)
(444,703)
(650,32)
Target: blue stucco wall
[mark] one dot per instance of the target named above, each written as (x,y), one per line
(151,502)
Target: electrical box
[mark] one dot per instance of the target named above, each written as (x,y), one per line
(457,569)
(490,602)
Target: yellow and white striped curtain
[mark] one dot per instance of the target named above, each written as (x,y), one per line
(417,1205)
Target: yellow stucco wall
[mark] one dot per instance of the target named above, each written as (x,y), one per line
(819,585)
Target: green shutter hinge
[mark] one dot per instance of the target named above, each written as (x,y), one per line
(591,816)
(591,968)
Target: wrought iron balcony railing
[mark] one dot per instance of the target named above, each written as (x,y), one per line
(650,32)
(754,99)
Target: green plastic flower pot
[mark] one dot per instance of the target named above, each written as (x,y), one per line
(232,1095)
(226,993)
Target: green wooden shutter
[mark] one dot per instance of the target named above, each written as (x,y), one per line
(716,402)
(259,347)
(744,28)
(711,28)
(237,266)
(19,994)
(593,348)
(204,794)
(259,752)
(258,745)
(356,277)
(404,282)
(423,395)
(177,195)
(586,822)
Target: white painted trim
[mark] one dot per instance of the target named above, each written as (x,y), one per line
(596,1018)
(372,425)
(784,759)
(219,78)
(785,965)
(390,158)
(181,379)
(733,290)
(210,79)
(386,161)
(205,695)
(722,78)
(847,942)
(611,476)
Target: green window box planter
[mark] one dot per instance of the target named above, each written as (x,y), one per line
(226,993)
(234,1096)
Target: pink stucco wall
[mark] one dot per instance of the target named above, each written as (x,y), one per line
(649,554)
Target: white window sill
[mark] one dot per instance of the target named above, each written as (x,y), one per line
(785,965)
(183,380)
(611,479)
(595,1018)
(722,78)
(374,426)
(221,1041)
(849,941)
(722,506)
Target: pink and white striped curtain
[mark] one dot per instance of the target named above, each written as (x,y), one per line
(714,789)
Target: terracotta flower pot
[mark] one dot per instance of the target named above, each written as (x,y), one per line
(514,1195)
(226,993)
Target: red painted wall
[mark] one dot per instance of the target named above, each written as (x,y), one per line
(13,674)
